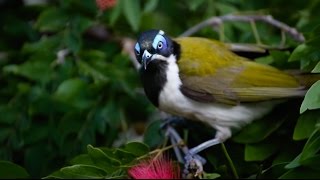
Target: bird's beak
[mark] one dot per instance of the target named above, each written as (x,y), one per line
(146,58)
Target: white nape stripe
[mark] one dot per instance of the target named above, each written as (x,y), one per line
(220,116)
(161,32)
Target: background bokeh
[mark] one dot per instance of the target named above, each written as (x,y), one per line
(68,86)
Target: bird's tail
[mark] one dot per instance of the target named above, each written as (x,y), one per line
(306,79)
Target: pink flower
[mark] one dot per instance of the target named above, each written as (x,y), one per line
(106,4)
(160,167)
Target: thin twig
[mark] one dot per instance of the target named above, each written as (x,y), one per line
(283,38)
(177,150)
(156,151)
(217,21)
(172,133)
(233,169)
(255,32)
(221,33)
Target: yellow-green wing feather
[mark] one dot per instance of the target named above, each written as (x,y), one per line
(208,66)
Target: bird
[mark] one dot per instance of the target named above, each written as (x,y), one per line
(203,79)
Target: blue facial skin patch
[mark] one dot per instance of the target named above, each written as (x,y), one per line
(137,48)
(157,39)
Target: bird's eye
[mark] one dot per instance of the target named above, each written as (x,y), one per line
(137,49)
(159,42)
(160,45)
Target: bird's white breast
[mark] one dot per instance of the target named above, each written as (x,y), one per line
(220,116)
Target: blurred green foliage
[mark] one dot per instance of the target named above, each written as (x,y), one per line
(57,110)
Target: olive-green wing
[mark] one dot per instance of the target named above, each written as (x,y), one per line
(211,72)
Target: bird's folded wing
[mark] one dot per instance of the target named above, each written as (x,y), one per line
(211,72)
(208,89)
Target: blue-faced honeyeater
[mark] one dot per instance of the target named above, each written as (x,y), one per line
(202,79)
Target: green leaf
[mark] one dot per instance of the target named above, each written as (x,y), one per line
(94,55)
(5,133)
(69,124)
(88,70)
(84,171)
(260,151)
(312,98)
(132,13)
(9,115)
(82,159)
(52,20)
(225,8)
(275,170)
(9,170)
(102,160)
(314,34)
(70,89)
(72,40)
(312,162)
(280,58)
(312,146)
(116,12)
(193,5)
(316,69)
(114,114)
(261,129)
(73,93)
(150,6)
(35,134)
(301,173)
(298,53)
(81,23)
(137,148)
(123,156)
(153,135)
(45,44)
(265,60)
(306,125)
(211,175)
(309,56)
(36,156)
(59,175)
(294,163)
(34,70)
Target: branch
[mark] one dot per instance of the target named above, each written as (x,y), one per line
(217,21)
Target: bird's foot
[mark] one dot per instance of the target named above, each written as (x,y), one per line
(193,166)
(193,162)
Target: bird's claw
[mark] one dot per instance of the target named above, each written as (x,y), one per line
(193,166)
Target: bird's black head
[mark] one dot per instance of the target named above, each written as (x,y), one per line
(153,45)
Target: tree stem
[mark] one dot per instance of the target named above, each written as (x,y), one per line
(233,169)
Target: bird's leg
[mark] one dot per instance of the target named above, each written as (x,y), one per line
(204,145)
(193,162)
(177,150)
(222,134)
(175,137)
(172,121)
